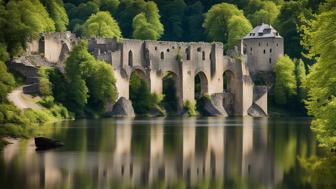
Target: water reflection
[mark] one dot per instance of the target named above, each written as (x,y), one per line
(165,153)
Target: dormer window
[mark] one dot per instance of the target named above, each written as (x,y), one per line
(260,34)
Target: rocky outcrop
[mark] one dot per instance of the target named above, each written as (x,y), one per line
(214,105)
(123,108)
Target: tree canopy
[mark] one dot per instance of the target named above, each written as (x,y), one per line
(216,22)
(102,24)
(285,82)
(147,25)
(57,12)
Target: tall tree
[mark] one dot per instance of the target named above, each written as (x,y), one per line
(216,21)
(109,5)
(285,82)
(267,13)
(26,19)
(57,12)
(147,25)
(102,24)
(172,13)
(321,81)
(238,27)
(126,11)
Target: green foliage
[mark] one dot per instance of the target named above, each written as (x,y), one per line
(102,24)
(4,56)
(143,101)
(238,27)
(45,85)
(26,19)
(285,82)
(7,82)
(263,12)
(216,23)
(109,5)
(190,108)
(170,100)
(287,25)
(173,13)
(126,11)
(90,84)
(147,25)
(57,12)
(321,82)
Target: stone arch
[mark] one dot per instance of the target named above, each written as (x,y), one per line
(201,84)
(65,50)
(171,92)
(228,77)
(130,58)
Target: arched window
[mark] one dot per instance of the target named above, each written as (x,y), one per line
(130,58)
(264,51)
(270,50)
(162,55)
(188,53)
(203,55)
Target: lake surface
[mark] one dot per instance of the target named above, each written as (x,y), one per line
(164,153)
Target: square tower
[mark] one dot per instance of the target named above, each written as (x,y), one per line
(262,47)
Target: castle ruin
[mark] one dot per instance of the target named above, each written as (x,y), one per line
(258,52)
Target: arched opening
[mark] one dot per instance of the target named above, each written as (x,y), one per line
(201,85)
(130,58)
(170,100)
(162,55)
(200,91)
(227,81)
(139,92)
(64,52)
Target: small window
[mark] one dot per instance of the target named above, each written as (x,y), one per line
(277,44)
(203,55)
(162,55)
(167,50)
(270,50)
(173,47)
(270,61)
(188,53)
(259,44)
(267,44)
(251,49)
(130,58)
(199,49)
(155,48)
(264,51)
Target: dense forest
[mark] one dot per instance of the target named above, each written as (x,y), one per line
(304,76)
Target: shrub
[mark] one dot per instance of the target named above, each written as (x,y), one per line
(190,108)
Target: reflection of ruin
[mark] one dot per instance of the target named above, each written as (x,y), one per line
(218,152)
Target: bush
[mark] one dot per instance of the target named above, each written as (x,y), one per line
(190,108)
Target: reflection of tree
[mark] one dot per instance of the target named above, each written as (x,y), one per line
(319,172)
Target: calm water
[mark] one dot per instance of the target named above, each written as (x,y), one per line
(164,153)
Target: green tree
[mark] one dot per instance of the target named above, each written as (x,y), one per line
(287,24)
(147,25)
(57,12)
(217,19)
(102,24)
(238,27)
(285,82)
(126,11)
(266,14)
(321,81)
(172,13)
(194,20)
(90,83)
(109,5)
(7,82)
(26,19)
(76,89)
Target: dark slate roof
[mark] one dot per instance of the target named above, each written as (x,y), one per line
(263,31)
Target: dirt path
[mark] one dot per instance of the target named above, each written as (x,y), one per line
(23,101)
